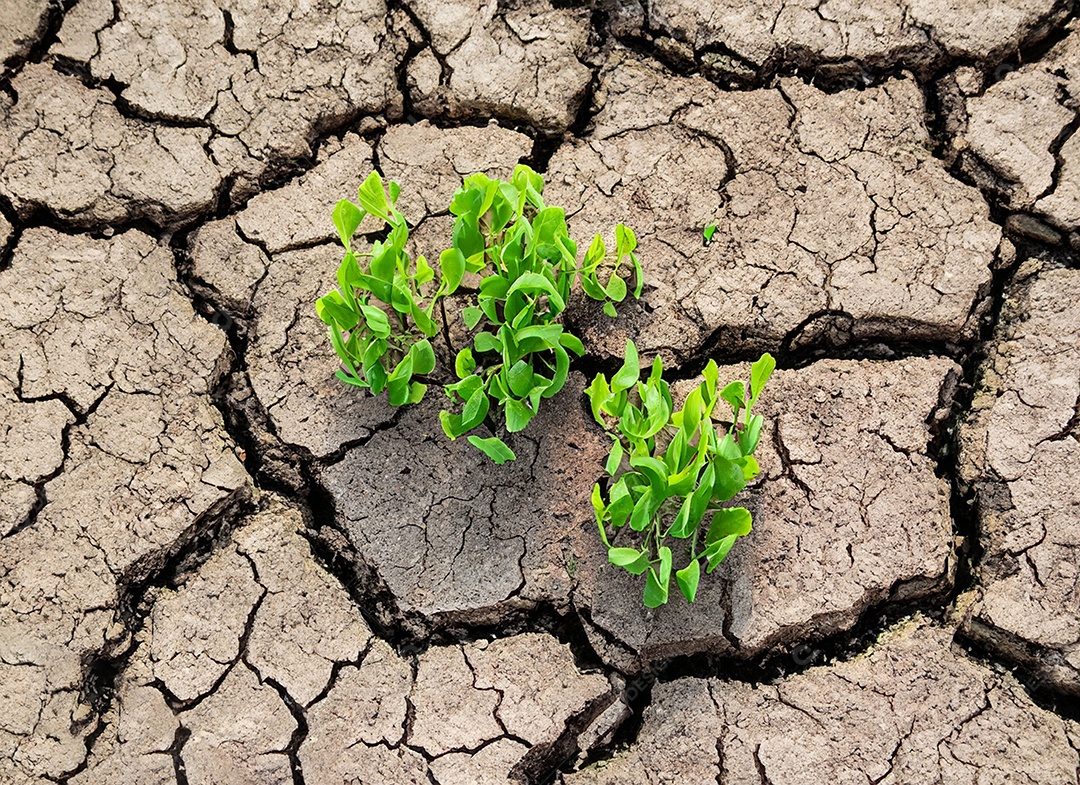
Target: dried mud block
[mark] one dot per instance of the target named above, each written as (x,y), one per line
(471,714)
(521,63)
(1023,128)
(834,222)
(96,339)
(848,514)
(261,597)
(457,539)
(912,710)
(263,77)
(247,264)
(257,628)
(1022,459)
(31,451)
(22,25)
(239,734)
(6,231)
(849,39)
(140,730)
(65,148)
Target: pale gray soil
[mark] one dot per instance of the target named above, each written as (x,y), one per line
(220,565)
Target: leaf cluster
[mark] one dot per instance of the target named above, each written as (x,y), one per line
(379,320)
(520,353)
(673,470)
(382,314)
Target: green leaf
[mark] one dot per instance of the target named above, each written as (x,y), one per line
(638,567)
(750,467)
(572,343)
(716,552)
(464,364)
(627,375)
(598,393)
(472,316)
(708,233)
(467,237)
(347,217)
(642,514)
(494,448)
(452,263)
(614,458)
(591,286)
(625,241)
(656,472)
(376,320)
(735,394)
(416,392)
(728,522)
(535,282)
(728,479)
(426,324)
(682,527)
(616,288)
(656,585)
(395,191)
(384,262)
(609,309)
(688,578)
(423,357)
(639,275)
(562,368)
(599,509)
(702,495)
(518,415)
(372,196)
(486,342)
(494,286)
(749,439)
(520,378)
(397,389)
(376,376)
(621,504)
(451,424)
(595,254)
(333,311)
(476,409)
(710,373)
(621,557)
(538,337)
(676,454)
(424,273)
(759,374)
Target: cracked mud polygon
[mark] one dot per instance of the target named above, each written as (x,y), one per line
(219,565)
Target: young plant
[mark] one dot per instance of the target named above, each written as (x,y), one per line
(520,354)
(672,471)
(379,321)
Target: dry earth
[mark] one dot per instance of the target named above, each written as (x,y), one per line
(219,565)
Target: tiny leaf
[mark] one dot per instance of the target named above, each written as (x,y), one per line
(627,375)
(688,578)
(494,448)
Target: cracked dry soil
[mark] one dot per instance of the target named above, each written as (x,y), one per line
(218,565)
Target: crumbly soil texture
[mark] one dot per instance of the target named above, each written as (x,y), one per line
(220,565)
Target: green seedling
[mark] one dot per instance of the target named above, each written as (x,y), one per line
(379,321)
(519,353)
(672,471)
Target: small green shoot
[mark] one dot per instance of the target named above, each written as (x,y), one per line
(672,470)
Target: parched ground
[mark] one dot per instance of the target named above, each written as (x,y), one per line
(219,565)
